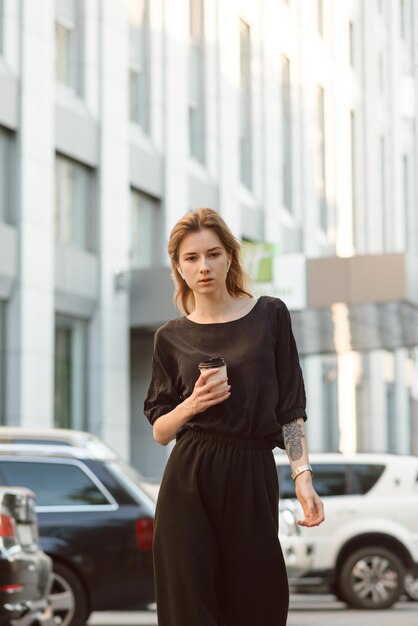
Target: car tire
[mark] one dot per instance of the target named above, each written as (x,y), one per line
(371,578)
(67,597)
(411,586)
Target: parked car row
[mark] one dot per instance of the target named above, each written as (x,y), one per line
(366,551)
(96,516)
(95,521)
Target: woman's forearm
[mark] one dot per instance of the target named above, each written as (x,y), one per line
(165,427)
(296,444)
(205,394)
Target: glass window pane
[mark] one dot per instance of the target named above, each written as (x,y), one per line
(321,181)
(55,484)
(145,229)
(70,373)
(286,484)
(68,43)
(1,26)
(63,42)
(286,142)
(196,81)
(133,95)
(139,75)
(137,16)
(66,9)
(330,480)
(196,8)
(5,175)
(245,105)
(320,16)
(74,207)
(63,378)
(364,477)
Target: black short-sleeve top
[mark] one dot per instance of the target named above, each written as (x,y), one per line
(263,367)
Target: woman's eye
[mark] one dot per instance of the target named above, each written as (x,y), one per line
(214,254)
(191,258)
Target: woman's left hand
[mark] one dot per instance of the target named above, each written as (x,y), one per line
(311,503)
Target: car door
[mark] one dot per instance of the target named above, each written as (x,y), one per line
(331,482)
(84,525)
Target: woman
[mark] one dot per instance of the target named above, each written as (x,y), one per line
(218,561)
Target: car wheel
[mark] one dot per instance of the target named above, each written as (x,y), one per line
(411,586)
(371,578)
(67,597)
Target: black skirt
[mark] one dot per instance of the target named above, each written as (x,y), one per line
(217,557)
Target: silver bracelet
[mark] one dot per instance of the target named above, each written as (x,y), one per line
(300,470)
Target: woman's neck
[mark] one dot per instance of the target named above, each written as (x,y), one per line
(219,308)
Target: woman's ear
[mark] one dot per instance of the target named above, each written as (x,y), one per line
(180,272)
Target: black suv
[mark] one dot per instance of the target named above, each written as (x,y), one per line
(25,571)
(95,522)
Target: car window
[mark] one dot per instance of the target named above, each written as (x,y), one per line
(363,477)
(286,484)
(329,480)
(55,484)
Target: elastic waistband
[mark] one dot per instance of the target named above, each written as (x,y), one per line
(222,440)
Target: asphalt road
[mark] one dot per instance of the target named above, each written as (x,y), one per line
(306,610)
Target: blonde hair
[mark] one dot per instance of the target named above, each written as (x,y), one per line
(193,222)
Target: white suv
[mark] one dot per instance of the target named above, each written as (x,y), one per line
(369,540)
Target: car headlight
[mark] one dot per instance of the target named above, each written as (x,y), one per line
(287,523)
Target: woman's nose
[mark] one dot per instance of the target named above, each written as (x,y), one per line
(204,266)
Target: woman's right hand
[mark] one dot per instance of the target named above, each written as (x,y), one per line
(207,393)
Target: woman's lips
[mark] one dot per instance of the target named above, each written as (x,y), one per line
(206,281)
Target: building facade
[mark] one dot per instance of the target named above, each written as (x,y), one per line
(295,119)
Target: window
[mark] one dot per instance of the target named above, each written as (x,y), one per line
(351,44)
(54,483)
(364,477)
(330,403)
(74,203)
(391,417)
(68,44)
(6,175)
(245,105)
(2,363)
(139,74)
(1,26)
(145,230)
(287,148)
(381,73)
(196,80)
(334,479)
(354,208)
(320,17)
(70,373)
(405,201)
(321,183)
(330,480)
(383,191)
(402,17)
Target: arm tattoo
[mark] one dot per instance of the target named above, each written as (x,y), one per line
(293,435)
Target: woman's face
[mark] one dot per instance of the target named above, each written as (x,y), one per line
(203,261)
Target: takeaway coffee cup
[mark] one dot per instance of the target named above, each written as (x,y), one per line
(214,362)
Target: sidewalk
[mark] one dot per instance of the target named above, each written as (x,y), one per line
(128,618)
